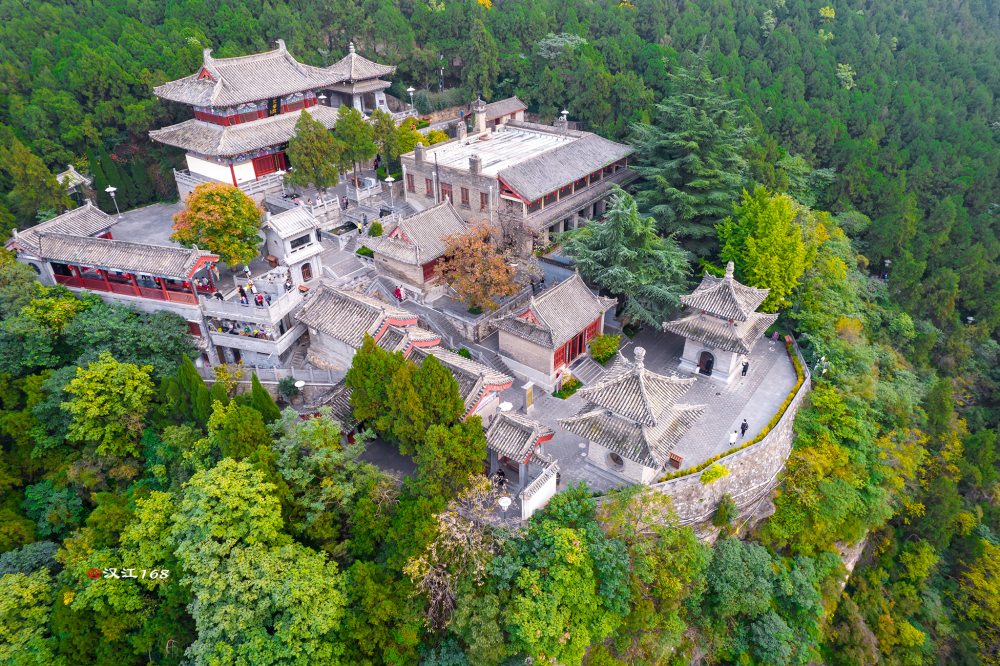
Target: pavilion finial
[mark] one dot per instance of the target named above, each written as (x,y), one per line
(640,356)
(730,267)
(351,47)
(281,45)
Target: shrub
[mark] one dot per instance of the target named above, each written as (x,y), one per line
(713,473)
(422,124)
(427,102)
(465,353)
(604,346)
(376,229)
(365,252)
(286,387)
(569,387)
(725,512)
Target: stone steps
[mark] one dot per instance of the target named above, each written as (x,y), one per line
(587,370)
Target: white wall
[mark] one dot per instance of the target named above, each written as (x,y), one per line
(726,363)
(633,471)
(212,170)
(244,172)
(541,497)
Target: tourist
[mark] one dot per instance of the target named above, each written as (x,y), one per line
(732,438)
(243,293)
(397,294)
(309,201)
(251,287)
(258,300)
(402,293)
(746,366)
(288,284)
(267,297)
(219,296)
(319,234)
(743,428)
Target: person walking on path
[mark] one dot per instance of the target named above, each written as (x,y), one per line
(396,293)
(743,428)
(267,297)
(243,293)
(746,366)
(402,293)
(732,438)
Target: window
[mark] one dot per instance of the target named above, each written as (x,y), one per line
(614,461)
(560,358)
(430,186)
(247,116)
(409,183)
(592,330)
(301,240)
(429,270)
(465,197)
(294,106)
(484,200)
(307,272)
(264,165)
(446,193)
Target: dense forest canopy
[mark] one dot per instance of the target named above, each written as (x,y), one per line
(855,141)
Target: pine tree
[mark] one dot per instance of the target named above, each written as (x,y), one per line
(690,160)
(765,244)
(481,60)
(262,401)
(144,187)
(625,256)
(218,393)
(371,372)
(101,183)
(405,411)
(315,152)
(111,172)
(438,393)
(128,186)
(194,386)
(357,137)
(35,188)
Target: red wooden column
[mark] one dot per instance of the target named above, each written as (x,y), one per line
(194,290)
(104,274)
(76,269)
(135,285)
(163,286)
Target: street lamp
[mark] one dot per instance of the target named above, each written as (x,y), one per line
(565,122)
(281,174)
(111,190)
(390,180)
(504,503)
(410,90)
(321,98)
(301,385)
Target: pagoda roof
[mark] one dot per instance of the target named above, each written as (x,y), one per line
(419,238)
(233,81)
(115,255)
(733,336)
(215,140)
(504,107)
(516,436)
(360,87)
(558,314)
(725,297)
(72,177)
(402,338)
(87,220)
(347,316)
(353,67)
(635,413)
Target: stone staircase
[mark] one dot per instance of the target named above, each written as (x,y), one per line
(298,360)
(494,360)
(587,370)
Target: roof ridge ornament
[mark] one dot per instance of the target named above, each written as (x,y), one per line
(351,48)
(730,269)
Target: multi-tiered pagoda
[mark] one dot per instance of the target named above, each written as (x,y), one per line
(723,325)
(246,108)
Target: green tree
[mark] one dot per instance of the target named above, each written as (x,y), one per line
(197,391)
(116,177)
(262,401)
(404,412)
(100,184)
(144,188)
(25,605)
(372,370)
(447,456)
(222,219)
(357,137)
(315,152)
(109,405)
(549,92)
(385,135)
(766,245)
(625,256)
(691,159)
(438,393)
(480,64)
(35,188)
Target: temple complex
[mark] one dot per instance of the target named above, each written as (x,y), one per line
(245,110)
(723,325)
(632,419)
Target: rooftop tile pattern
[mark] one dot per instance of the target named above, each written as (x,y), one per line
(353,67)
(347,316)
(338,399)
(635,393)
(115,255)
(561,312)
(725,296)
(87,220)
(504,107)
(474,379)
(420,237)
(738,336)
(291,223)
(514,435)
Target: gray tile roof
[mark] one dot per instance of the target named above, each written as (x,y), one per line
(635,412)
(398,338)
(725,296)
(73,177)
(635,393)
(514,435)
(338,399)
(291,223)
(550,470)
(561,312)
(353,67)
(215,140)
(347,316)
(738,336)
(420,236)
(249,78)
(504,107)
(87,220)
(360,87)
(546,173)
(474,379)
(115,255)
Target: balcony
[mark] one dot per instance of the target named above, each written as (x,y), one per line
(127,289)
(276,346)
(271,314)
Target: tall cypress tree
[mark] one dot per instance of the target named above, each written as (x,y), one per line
(110,170)
(371,372)
(262,401)
(438,393)
(690,159)
(101,183)
(143,184)
(128,186)
(192,384)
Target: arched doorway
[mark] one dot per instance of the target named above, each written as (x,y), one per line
(705,363)
(307,273)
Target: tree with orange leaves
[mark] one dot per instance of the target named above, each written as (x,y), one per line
(222,219)
(475,267)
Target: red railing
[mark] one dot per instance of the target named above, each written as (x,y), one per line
(94,285)
(181,297)
(155,294)
(125,289)
(68,280)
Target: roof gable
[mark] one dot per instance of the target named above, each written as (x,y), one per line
(87,220)
(504,107)
(419,238)
(559,313)
(516,436)
(347,316)
(353,67)
(725,297)
(474,379)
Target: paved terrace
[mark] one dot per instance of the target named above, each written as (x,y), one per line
(755,398)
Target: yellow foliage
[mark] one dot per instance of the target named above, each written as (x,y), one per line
(966,522)
(851,331)
(713,473)
(827,13)
(980,587)
(910,636)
